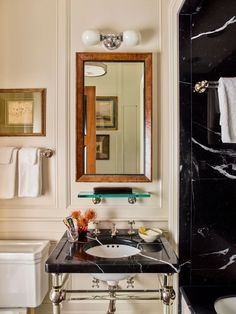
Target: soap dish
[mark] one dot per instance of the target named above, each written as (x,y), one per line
(149,234)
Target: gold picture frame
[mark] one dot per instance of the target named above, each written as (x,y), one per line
(107,112)
(102,147)
(22,112)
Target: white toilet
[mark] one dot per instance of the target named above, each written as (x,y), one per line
(23,281)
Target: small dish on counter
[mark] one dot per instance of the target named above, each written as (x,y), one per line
(149,234)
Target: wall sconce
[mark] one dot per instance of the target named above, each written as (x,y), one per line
(111,41)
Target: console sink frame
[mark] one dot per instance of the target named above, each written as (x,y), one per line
(68,259)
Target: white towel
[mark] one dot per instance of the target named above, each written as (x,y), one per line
(30,172)
(8,162)
(227,104)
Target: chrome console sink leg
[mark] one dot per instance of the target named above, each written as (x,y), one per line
(167,294)
(57,294)
(112,302)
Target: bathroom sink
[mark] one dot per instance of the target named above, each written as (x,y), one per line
(112,248)
(225,305)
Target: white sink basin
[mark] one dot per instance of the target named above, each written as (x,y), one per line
(112,248)
(226,305)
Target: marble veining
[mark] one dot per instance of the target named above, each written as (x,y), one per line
(207,166)
(231,261)
(138,246)
(204,232)
(228,152)
(156,257)
(208,129)
(222,252)
(222,170)
(230,21)
(226,168)
(159,260)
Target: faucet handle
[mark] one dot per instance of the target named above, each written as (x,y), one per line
(96,231)
(131,230)
(114,231)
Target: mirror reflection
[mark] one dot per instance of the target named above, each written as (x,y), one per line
(113,117)
(119,116)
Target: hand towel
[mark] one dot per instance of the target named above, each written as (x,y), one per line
(213,115)
(30,172)
(227,104)
(8,162)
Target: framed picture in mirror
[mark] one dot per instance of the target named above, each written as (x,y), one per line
(22,112)
(106,112)
(102,147)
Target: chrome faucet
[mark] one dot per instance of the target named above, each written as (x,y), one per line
(114,231)
(131,231)
(96,231)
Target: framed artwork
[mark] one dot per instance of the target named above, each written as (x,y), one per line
(102,147)
(22,112)
(106,112)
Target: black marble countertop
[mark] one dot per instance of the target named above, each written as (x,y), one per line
(201,299)
(156,257)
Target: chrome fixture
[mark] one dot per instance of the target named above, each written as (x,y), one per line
(96,200)
(114,231)
(96,231)
(131,230)
(201,86)
(130,282)
(112,302)
(167,292)
(111,41)
(132,200)
(59,294)
(95,283)
(47,153)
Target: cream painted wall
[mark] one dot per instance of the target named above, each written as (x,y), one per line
(39,51)
(147,19)
(39,40)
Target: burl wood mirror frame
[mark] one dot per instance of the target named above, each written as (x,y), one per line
(81,58)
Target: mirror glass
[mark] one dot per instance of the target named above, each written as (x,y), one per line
(112,116)
(119,114)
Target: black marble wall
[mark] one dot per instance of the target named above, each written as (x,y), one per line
(207,166)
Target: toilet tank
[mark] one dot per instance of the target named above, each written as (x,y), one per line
(23,281)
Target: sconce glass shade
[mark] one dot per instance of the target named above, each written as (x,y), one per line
(93,69)
(131,38)
(90,37)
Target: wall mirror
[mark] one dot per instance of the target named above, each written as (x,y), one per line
(113,117)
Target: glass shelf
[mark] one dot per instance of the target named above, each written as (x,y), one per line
(97,198)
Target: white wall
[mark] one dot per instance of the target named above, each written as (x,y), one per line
(39,51)
(39,39)
(144,16)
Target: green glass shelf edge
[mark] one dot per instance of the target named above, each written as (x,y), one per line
(131,195)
